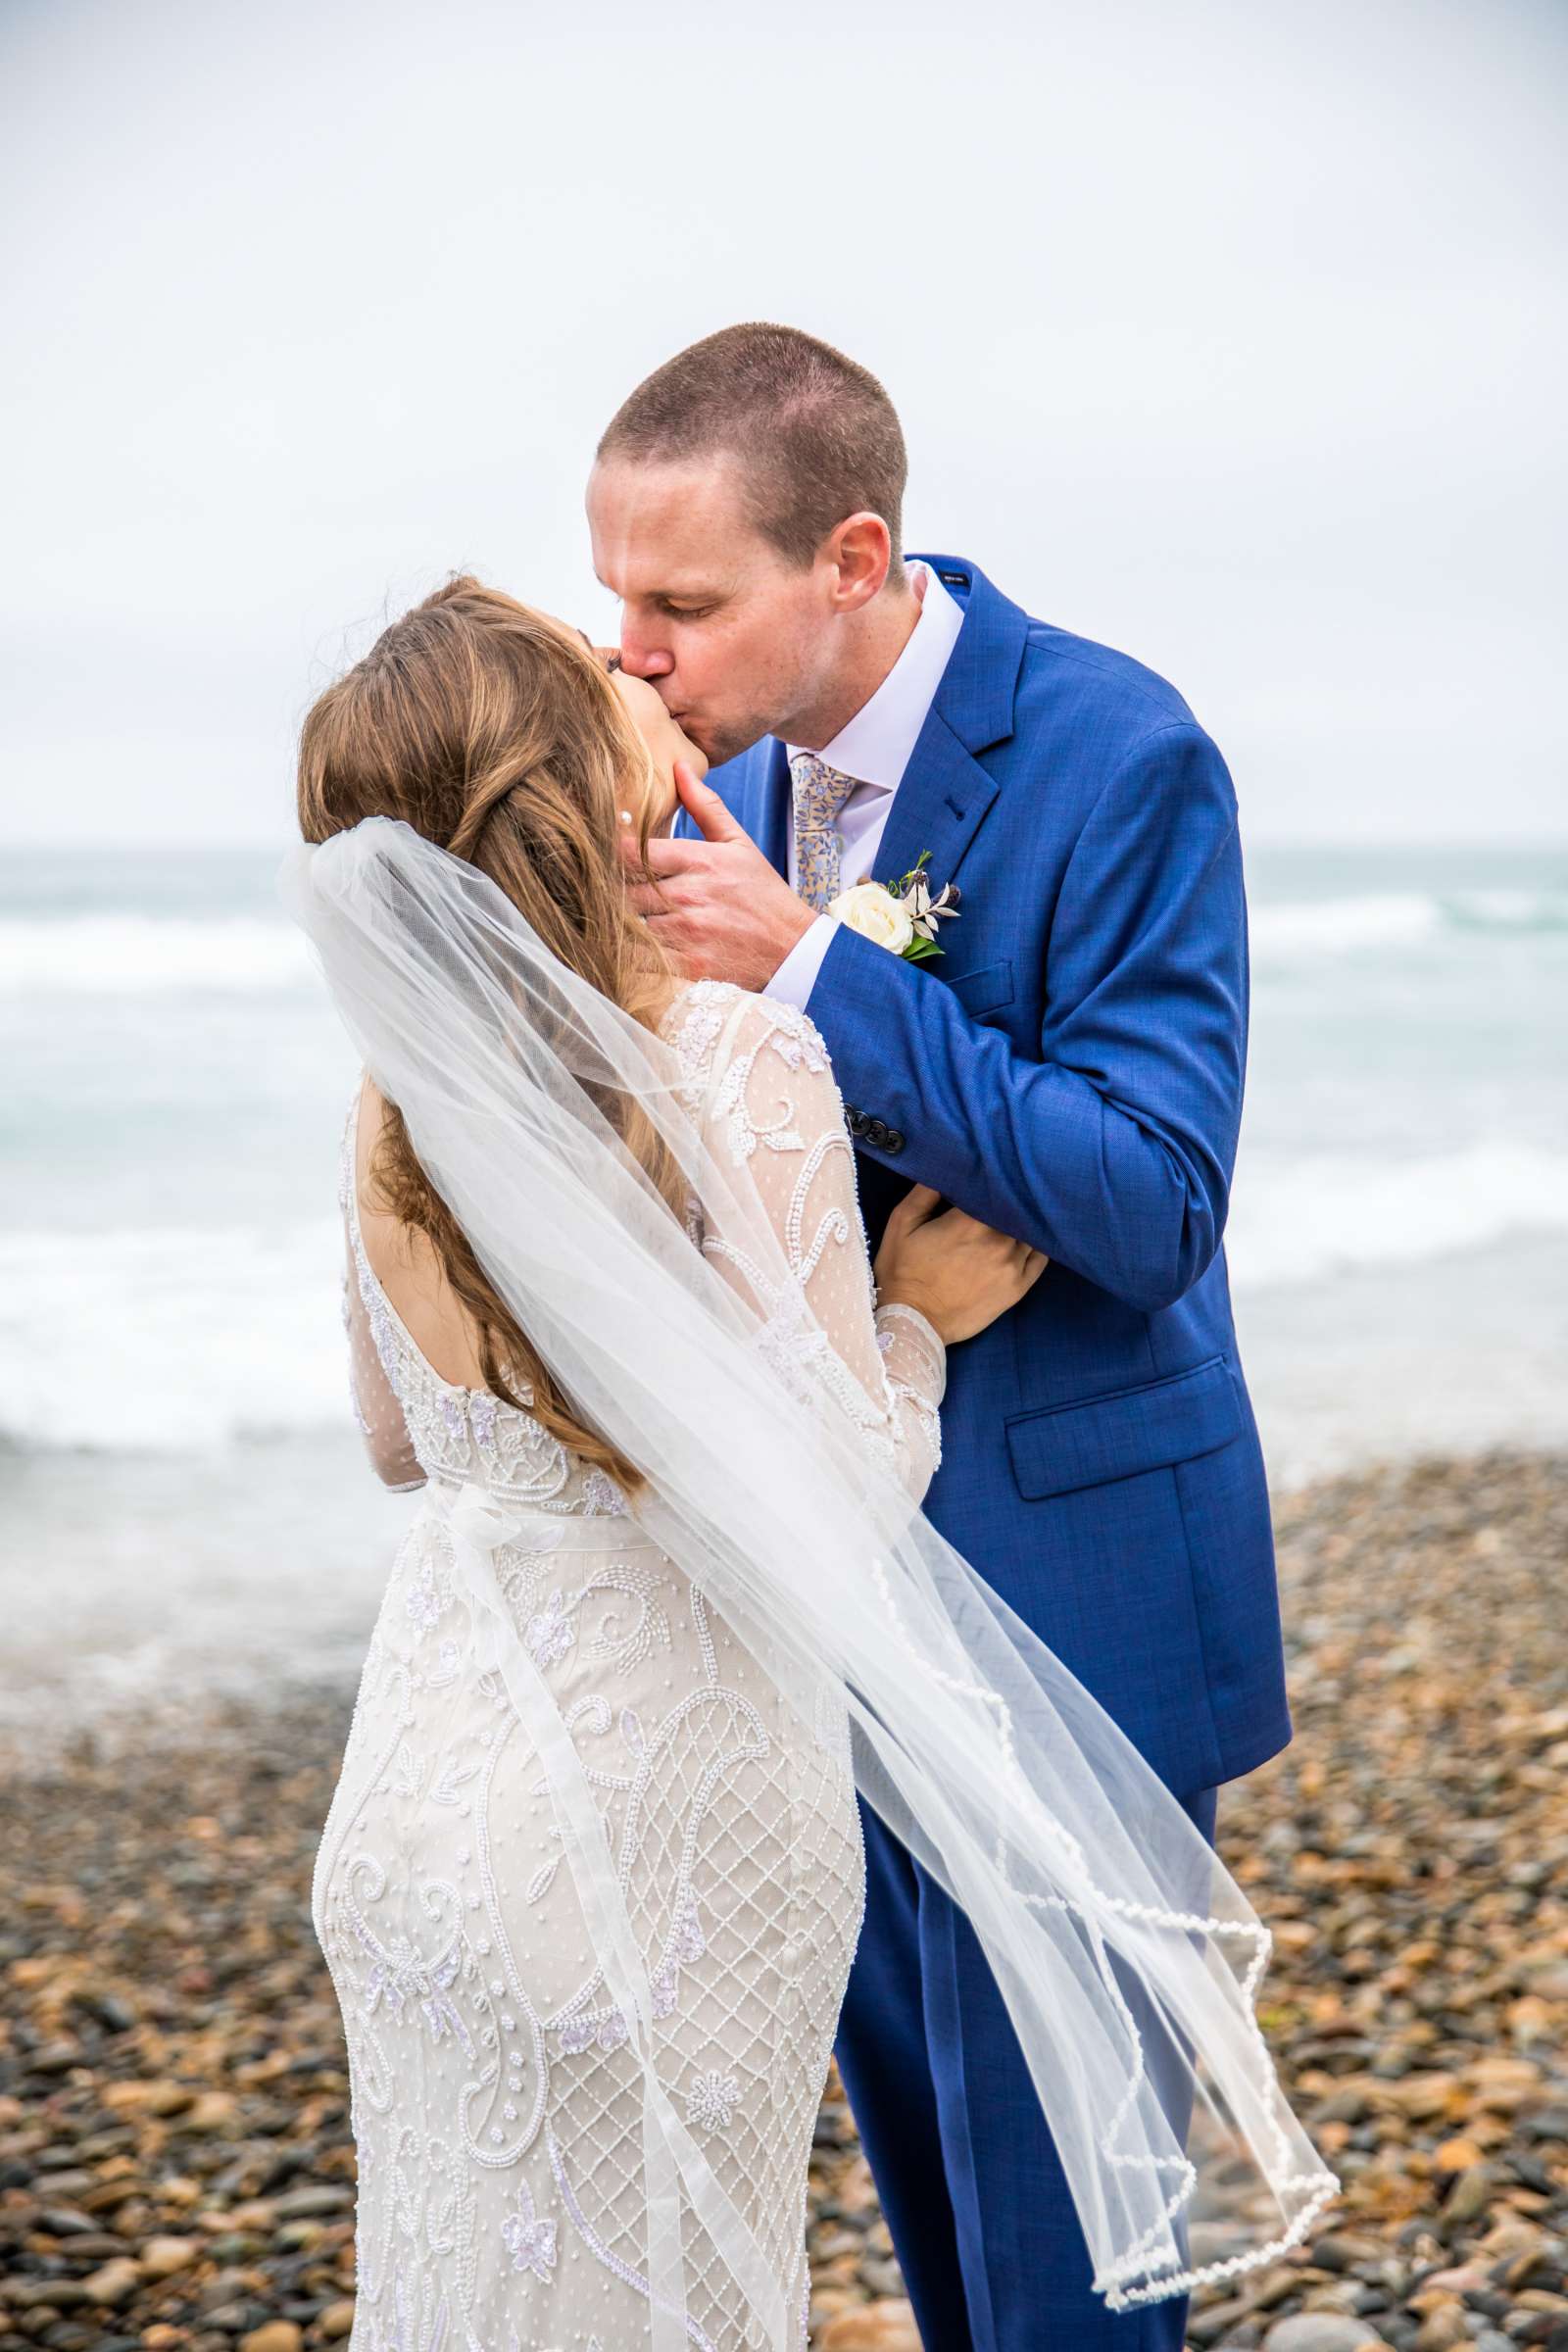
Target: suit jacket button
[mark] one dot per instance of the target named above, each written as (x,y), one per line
(892,1141)
(876,1133)
(855,1119)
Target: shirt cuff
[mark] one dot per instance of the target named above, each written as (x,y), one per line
(796,976)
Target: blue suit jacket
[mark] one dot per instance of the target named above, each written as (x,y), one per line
(1071,1071)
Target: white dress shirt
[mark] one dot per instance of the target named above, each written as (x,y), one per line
(874,747)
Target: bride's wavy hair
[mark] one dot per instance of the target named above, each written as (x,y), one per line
(494,731)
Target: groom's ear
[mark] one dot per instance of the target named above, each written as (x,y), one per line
(861,551)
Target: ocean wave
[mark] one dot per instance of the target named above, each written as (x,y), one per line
(169,1342)
(95,955)
(1325,1215)
(1394,919)
(174,1342)
(120,953)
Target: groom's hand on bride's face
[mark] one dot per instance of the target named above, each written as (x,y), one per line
(716,903)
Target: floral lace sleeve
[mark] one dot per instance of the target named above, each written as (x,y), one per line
(762,1084)
(375,1404)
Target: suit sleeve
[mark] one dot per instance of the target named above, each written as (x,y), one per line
(1113,1149)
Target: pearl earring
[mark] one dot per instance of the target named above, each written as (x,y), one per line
(625,816)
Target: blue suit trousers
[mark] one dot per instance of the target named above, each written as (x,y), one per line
(972,2190)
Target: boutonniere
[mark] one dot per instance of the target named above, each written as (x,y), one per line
(902,915)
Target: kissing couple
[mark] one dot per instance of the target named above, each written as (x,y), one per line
(803,1055)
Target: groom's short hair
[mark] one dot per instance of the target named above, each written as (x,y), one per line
(815,436)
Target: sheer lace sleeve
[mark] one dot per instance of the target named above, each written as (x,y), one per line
(376,1405)
(374,1400)
(768,1100)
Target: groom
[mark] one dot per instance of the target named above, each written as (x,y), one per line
(1069,1070)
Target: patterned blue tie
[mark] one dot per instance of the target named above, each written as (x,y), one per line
(820,792)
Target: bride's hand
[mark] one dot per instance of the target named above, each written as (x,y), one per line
(959,1274)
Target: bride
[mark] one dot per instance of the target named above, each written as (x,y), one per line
(592,1877)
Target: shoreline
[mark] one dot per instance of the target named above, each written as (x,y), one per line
(176,2167)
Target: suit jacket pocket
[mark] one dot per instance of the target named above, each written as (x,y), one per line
(985,989)
(1105,1438)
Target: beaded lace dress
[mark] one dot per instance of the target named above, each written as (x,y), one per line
(496,2109)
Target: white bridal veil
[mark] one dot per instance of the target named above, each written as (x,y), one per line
(1128,1958)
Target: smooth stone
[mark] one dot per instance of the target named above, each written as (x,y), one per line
(1421,2096)
(1320,2332)
(1470,2194)
(274,2335)
(64,2221)
(337,2319)
(299,2203)
(114,2283)
(54,2058)
(1349,2295)
(1443,2331)
(148,2098)
(857,2191)
(1341,2248)
(109,2009)
(874,2328)
(161,2257)
(213,2111)
(1274,2286)
(1216,2320)
(58,2294)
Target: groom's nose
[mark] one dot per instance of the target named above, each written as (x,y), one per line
(641,652)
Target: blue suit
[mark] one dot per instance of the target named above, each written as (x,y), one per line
(1071,1071)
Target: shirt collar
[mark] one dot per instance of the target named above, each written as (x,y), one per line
(875,746)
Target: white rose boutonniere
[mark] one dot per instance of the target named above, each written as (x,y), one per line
(875,914)
(902,915)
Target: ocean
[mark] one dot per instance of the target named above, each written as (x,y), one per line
(182,1500)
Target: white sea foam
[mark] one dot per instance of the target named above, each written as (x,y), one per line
(1286,932)
(1323,1215)
(120,953)
(168,1340)
(115,953)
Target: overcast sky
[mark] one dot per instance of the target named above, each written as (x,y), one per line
(1230,332)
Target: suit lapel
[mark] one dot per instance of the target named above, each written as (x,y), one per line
(756,789)
(945,792)
(768,824)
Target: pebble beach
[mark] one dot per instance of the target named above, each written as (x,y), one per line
(176,2167)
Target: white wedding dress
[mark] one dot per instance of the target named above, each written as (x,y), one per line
(496,2106)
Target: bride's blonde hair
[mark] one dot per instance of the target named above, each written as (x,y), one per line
(493,731)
